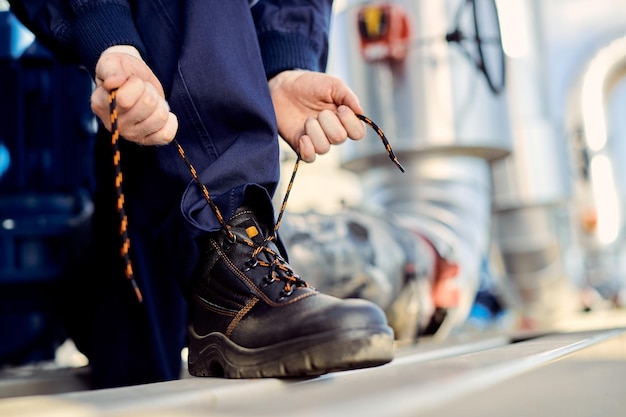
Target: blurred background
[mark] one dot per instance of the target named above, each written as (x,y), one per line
(508,117)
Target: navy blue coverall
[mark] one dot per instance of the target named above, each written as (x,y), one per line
(213,58)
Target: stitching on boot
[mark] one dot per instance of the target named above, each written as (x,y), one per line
(240,315)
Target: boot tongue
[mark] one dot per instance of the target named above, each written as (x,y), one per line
(244,222)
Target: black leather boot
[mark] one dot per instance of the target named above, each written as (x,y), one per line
(252,316)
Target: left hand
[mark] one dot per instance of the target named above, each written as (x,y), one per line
(314,111)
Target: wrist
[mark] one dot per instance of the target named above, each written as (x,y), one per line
(280,77)
(123,49)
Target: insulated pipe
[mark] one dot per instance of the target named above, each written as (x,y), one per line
(446,199)
(598,205)
(445,125)
(531,186)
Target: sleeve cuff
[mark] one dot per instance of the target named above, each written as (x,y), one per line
(100,26)
(284,51)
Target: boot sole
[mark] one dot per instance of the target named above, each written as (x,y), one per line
(303,357)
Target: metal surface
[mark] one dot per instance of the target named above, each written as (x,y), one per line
(479,377)
(585,382)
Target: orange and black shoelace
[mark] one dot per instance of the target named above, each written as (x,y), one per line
(293,280)
(125,246)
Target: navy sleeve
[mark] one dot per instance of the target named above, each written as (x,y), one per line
(293,34)
(79,28)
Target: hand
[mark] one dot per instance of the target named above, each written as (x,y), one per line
(314,111)
(143,113)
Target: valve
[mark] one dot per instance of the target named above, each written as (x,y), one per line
(384,32)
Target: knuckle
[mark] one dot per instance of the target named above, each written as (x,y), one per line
(149,100)
(310,123)
(129,93)
(124,102)
(322,148)
(163,115)
(337,137)
(166,136)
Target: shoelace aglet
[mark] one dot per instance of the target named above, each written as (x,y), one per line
(398,164)
(383,138)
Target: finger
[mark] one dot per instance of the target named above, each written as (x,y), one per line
(355,128)
(333,128)
(146,104)
(110,72)
(343,95)
(100,106)
(166,134)
(131,92)
(306,150)
(149,126)
(315,132)
(127,96)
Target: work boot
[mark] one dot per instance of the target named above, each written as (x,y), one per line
(252,316)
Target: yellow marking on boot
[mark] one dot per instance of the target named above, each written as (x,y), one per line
(252,231)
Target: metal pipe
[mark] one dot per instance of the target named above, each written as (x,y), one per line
(532,185)
(598,205)
(446,126)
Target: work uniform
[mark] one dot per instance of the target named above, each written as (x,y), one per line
(213,58)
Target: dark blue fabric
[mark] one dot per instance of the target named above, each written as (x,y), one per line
(227,128)
(299,27)
(292,33)
(209,58)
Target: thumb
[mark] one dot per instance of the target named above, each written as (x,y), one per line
(117,64)
(342,94)
(110,73)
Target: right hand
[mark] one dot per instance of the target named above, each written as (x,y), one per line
(143,112)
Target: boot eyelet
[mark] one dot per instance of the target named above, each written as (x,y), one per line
(229,241)
(249,265)
(286,293)
(267,281)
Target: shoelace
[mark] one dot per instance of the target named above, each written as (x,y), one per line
(125,247)
(278,267)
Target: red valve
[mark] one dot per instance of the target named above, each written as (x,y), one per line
(384,31)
